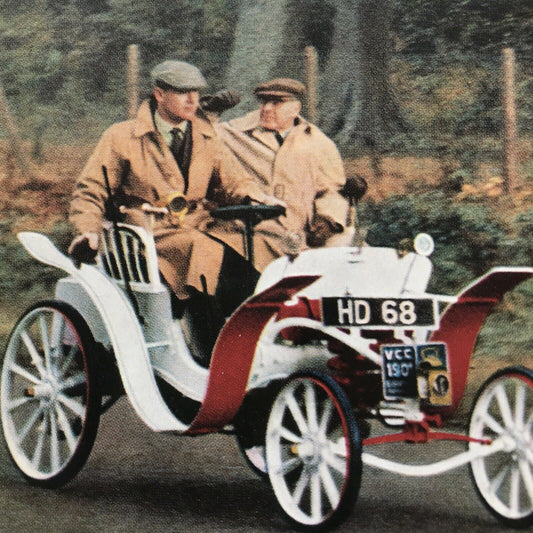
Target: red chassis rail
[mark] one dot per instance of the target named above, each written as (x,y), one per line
(420,432)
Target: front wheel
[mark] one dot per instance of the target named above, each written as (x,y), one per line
(49,394)
(503,411)
(313,452)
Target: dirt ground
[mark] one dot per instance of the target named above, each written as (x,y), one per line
(42,191)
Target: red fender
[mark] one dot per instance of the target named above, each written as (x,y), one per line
(234,352)
(462,321)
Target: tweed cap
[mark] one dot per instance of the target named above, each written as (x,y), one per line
(179,75)
(281,87)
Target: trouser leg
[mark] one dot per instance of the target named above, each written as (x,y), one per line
(205,314)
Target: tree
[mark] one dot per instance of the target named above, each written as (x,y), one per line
(357,101)
(360,106)
(268,42)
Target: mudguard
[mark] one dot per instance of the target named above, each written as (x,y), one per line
(461,322)
(234,352)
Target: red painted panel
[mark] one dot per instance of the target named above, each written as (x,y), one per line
(461,322)
(234,352)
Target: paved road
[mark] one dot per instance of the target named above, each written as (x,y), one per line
(139,481)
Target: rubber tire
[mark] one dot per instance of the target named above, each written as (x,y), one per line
(278,449)
(500,508)
(250,427)
(257,468)
(76,446)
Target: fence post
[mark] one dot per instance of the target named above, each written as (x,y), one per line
(311,81)
(17,148)
(509,120)
(133,80)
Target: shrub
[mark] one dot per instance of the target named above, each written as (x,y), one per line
(468,237)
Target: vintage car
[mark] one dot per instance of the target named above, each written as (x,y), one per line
(332,342)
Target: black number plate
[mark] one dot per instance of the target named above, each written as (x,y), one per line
(378,312)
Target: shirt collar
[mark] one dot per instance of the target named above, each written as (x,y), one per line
(165,128)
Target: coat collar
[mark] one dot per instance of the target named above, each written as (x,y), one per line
(144,122)
(249,126)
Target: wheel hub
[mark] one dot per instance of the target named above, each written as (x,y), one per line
(523,445)
(310,451)
(46,390)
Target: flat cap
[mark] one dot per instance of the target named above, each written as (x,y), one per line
(179,75)
(281,87)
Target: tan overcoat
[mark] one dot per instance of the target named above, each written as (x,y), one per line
(306,172)
(140,164)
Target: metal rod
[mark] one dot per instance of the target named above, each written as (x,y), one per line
(433,469)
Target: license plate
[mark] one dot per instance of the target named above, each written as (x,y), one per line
(416,371)
(399,371)
(378,312)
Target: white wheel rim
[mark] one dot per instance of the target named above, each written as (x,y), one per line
(307,451)
(505,411)
(43,393)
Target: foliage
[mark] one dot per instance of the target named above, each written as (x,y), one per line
(22,279)
(522,244)
(62,60)
(57,57)
(468,236)
(464,26)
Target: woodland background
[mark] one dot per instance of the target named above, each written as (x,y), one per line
(409,89)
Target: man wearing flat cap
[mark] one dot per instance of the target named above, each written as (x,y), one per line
(169,148)
(292,160)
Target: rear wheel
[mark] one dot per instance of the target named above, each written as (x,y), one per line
(49,394)
(313,452)
(503,411)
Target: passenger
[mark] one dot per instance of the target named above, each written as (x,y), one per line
(169,147)
(292,160)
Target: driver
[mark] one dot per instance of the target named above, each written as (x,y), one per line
(169,147)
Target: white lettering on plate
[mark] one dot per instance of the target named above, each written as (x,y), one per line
(353,312)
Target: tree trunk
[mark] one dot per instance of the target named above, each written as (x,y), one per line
(23,162)
(358,105)
(356,101)
(268,43)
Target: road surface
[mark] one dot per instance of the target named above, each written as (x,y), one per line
(140,481)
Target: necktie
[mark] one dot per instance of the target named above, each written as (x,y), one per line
(181,148)
(177,140)
(279,137)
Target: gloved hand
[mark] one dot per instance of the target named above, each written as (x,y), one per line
(320,231)
(83,248)
(220,101)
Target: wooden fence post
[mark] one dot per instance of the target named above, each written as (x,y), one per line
(311,81)
(509,119)
(133,80)
(22,160)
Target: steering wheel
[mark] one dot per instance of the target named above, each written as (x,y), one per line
(251,215)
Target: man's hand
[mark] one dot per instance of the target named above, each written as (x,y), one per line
(83,248)
(320,231)
(220,101)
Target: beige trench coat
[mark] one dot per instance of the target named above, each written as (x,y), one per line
(151,174)
(306,172)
